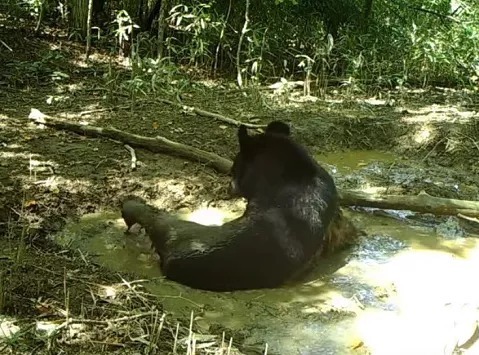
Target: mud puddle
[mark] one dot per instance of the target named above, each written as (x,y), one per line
(346,162)
(406,288)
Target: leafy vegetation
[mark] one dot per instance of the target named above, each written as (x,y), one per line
(359,44)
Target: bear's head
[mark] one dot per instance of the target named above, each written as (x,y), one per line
(268,161)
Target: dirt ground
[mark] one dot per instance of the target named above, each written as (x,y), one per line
(47,175)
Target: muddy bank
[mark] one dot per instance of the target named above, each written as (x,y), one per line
(408,268)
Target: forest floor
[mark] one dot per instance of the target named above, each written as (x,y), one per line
(48,176)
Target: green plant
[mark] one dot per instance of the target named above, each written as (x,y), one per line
(196,30)
(414,46)
(124,31)
(34,72)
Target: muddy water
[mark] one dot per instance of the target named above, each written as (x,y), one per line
(346,162)
(403,290)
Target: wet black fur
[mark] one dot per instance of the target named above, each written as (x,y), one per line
(291,203)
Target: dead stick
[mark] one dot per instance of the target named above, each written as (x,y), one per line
(133,156)
(6,46)
(213,115)
(157,144)
(422,203)
(467,218)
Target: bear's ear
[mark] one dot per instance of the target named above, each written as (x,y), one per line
(278,127)
(244,139)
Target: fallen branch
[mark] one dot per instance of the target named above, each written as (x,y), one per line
(422,203)
(157,144)
(467,218)
(213,115)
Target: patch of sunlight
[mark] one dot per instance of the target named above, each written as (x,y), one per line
(427,332)
(440,276)
(172,189)
(178,190)
(437,113)
(424,135)
(300,97)
(309,310)
(417,91)
(7,328)
(13,145)
(437,299)
(317,296)
(57,99)
(285,85)
(49,328)
(466,114)
(76,185)
(367,188)
(109,292)
(81,63)
(39,163)
(472,254)
(373,101)
(51,183)
(16,155)
(119,223)
(343,303)
(76,87)
(209,83)
(210,216)
(334,101)
(315,283)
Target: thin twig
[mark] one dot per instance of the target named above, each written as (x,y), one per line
(107,323)
(133,156)
(6,46)
(467,218)
(175,344)
(213,115)
(432,150)
(129,285)
(87,112)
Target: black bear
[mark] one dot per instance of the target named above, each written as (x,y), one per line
(292,215)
